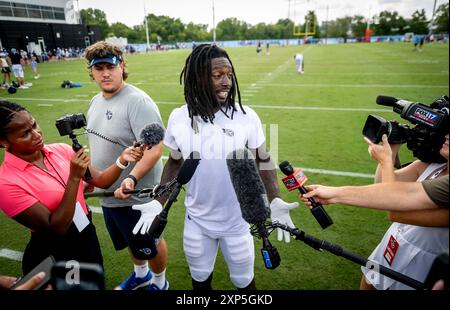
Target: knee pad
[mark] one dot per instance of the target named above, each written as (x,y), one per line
(240,257)
(200,260)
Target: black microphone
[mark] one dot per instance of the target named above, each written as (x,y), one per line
(148,191)
(292,181)
(400,106)
(252,197)
(185,174)
(151,135)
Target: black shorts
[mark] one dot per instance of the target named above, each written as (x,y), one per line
(74,245)
(120,222)
(6,70)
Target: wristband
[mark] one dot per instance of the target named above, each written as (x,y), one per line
(119,164)
(130,176)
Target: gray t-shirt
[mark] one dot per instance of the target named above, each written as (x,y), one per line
(121,118)
(437,189)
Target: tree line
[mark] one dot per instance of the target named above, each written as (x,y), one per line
(168,29)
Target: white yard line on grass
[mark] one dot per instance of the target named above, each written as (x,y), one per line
(276,107)
(329,172)
(352,85)
(11,254)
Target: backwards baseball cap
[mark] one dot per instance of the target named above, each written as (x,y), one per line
(110,58)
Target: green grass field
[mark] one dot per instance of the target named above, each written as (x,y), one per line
(319,116)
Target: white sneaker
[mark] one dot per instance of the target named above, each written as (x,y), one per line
(23,87)
(37,76)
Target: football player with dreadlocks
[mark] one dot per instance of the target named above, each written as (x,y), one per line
(212,124)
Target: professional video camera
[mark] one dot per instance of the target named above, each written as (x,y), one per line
(66,125)
(425,139)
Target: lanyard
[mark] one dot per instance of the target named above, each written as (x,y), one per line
(59,179)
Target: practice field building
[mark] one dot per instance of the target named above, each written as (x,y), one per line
(43,25)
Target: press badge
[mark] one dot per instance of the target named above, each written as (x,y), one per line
(79,217)
(391,250)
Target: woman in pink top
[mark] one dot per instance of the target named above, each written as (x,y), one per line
(41,188)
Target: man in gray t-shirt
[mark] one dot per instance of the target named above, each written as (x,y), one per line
(119,113)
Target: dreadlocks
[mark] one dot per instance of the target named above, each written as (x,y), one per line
(198,88)
(7,111)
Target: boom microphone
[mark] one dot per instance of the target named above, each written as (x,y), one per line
(151,135)
(252,198)
(386,100)
(296,179)
(185,174)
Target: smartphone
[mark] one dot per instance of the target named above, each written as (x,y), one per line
(73,275)
(46,266)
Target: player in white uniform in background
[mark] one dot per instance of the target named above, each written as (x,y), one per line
(299,63)
(211,124)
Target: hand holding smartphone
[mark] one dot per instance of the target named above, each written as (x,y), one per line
(45,266)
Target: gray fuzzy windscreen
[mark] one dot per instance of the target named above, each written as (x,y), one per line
(249,188)
(152,134)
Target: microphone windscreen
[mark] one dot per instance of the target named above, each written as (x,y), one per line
(249,188)
(286,168)
(152,134)
(188,168)
(386,101)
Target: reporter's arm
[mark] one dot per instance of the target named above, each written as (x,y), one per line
(148,161)
(107,177)
(397,196)
(39,217)
(426,218)
(141,168)
(387,196)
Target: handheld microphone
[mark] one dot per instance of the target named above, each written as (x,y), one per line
(187,170)
(296,179)
(151,135)
(252,197)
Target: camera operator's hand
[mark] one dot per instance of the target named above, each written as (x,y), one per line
(149,211)
(279,212)
(382,153)
(79,163)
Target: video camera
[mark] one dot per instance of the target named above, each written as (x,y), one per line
(425,139)
(69,122)
(66,125)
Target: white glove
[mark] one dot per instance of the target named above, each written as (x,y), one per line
(279,212)
(149,211)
